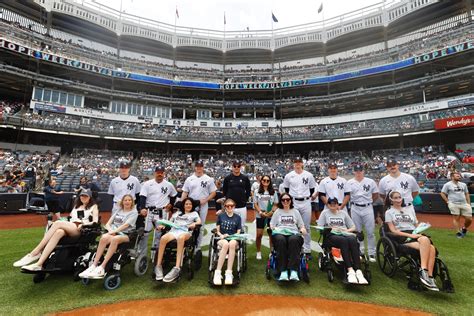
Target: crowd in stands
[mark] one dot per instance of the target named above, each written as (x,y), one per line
(26,35)
(9,108)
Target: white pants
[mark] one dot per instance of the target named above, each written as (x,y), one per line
(202,214)
(150,218)
(304,207)
(363,217)
(242,212)
(115,208)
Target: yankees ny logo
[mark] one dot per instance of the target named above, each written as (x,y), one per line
(203,184)
(340,186)
(305,180)
(164,190)
(404,185)
(366,188)
(130,186)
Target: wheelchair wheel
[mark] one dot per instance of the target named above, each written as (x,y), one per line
(321,261)
(441,271)
(112,282)
(268,274)
(198,260)
(39,277)
(85,281)
(141,265)
(330,275)
(244,256)
(387,256)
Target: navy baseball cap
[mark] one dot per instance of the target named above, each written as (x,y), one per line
(298,159)
(124,164)
(358,167)
(391,161)
(199,163)
(159,168)
(237,162)
(86,192)
(332,164)
(333,200)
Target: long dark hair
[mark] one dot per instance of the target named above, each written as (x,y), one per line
(271,190)
(388,202)
(88,206)
(181,207)
(280,204)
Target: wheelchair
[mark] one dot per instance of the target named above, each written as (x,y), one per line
(213,257)
(68,254)
(271,270)
(330,259)
(393,257)
(125,254)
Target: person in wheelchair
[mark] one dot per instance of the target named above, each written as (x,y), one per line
(401,222)
(119,225)
(228,223)
(342,236)
(288,246)
(85,213)
(187,219)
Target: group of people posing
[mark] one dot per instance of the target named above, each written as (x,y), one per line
(348,207)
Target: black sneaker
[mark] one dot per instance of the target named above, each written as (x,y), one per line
(464,231)
(424,278)
(459,234)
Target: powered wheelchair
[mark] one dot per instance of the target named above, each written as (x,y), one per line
(393,256)
(330,259)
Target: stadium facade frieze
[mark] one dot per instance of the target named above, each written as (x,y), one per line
(48,57)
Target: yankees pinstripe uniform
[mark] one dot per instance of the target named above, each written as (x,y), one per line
(300,186)
(119,187)
(334,188)
(362,211)
(199,188)
(404,183)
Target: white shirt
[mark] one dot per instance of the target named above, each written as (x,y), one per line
(119,187)
(300,184)
(281,188)
(157,194)
(361,192)
(255,187)
(334,188)
(404,183)
(199,187)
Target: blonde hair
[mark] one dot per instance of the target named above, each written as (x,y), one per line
(123,198)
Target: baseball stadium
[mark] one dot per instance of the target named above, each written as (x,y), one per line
(236,157)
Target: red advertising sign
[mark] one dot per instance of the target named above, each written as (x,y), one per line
(455,122)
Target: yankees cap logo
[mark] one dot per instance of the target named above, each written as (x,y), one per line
(340,186)
(130,186)
(404,185)
(164,190)
(366,187)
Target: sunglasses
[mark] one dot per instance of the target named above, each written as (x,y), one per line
(265,180)
(236,166)
(229,205)
(286,200)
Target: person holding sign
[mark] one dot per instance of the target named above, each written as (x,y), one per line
(184,220)
(228,223)
(287,227)
(342,237)
(265,200)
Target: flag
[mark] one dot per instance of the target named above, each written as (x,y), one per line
(224,19)
(177,14)
(274,18)
(320,8)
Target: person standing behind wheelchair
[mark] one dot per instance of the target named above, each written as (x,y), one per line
(340,223)
(159,194)
(364,192)
(288,248)
(52,193)
(237,187)
(123,184)
(119,225)
(401,221)
(265,200)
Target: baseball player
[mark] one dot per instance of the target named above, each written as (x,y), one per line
(399,181)
(123,184)
(237,187)
(300,184)
(200,187)
(363,192)
(157,195)
(334,186)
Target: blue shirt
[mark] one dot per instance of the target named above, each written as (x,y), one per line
(49,195)
(229,225)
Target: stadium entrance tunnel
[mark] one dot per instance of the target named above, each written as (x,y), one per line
(264,305)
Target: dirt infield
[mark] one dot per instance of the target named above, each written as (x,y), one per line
(33,220)
(254,305)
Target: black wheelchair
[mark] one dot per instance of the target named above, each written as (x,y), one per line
(330,258)
(213,257)
(271,270)
(393,257)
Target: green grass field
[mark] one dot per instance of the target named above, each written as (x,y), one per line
(20,296)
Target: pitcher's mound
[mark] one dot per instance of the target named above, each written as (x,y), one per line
(263,305)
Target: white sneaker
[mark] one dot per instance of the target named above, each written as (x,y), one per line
(351,277)
(32,267)
(360,277)
(259,256)
(229,278)
(217,277)
(86,273)
(97,273)
(26,260)
(372,258)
